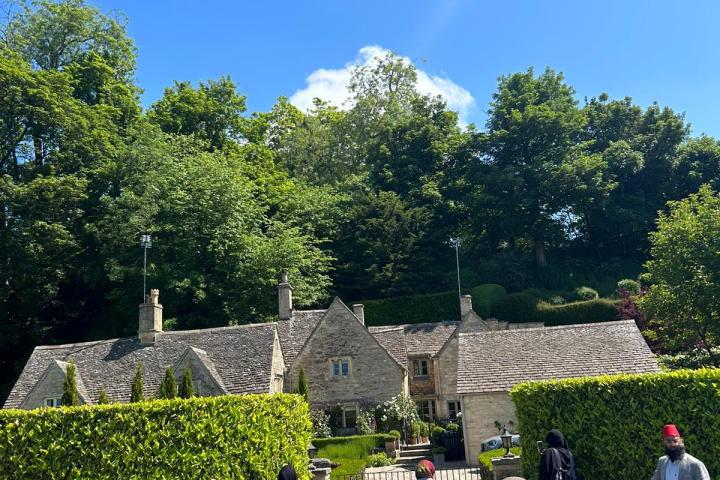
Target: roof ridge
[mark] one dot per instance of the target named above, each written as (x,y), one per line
(227,327)
(555,327)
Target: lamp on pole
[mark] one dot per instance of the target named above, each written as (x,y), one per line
(145,243)
(455,243)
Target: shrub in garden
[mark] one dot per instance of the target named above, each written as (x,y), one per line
(321,423)
(365,423)
(556,300)
(437,434)
(136,395)
(453,427)
(186,389)
(239,437)
(613,423)
(379,460)
(485,296)
(70,394)
(103,398)
(586,293)
(629,285)
(168,386)
(591,311)
(394,434)
(517,308)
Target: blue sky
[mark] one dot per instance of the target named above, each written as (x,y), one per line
(664,51)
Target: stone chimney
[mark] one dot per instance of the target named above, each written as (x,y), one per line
(465,305)
(285,306)
(150,318)
(359,311)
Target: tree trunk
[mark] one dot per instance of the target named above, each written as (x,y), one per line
(539,251)
(38,147)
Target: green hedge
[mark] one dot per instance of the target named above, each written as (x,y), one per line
(434,307)
(229,437)
(485,460)
(590,311)
(356,446)
(613,423)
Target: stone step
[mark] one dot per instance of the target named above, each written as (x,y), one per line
(410,460)
(415,452)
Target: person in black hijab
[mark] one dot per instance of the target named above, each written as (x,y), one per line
(556,457)
(287,473)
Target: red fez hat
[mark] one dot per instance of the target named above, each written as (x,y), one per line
(670,430)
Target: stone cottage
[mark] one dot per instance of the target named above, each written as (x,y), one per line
(451,366)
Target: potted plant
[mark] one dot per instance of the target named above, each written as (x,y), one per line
(414,433)
(392,443)
(437,433)
(424,433)
(438,454)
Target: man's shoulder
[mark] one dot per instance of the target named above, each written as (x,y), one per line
(662,459)
(692,460)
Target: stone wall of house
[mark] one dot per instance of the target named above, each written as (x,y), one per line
(447,375)
(480,412)
(423,384)
(278,367)
(374,376)
(50,385)
(203,383)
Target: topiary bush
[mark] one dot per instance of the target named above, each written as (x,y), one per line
(613,423)
(394,434)
(248,436)
(629,285)
(485,297)
(516,308)
(585,293)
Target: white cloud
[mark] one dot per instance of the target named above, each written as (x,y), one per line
(331,85)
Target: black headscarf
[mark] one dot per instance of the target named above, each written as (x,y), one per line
(287,473)
(548,460)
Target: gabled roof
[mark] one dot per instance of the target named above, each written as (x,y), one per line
(294,333)
(241,356)
(496,361)
(207,364)
(414,339)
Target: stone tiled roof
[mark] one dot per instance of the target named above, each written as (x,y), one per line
(240,355)
(550,353)
(392,339)
(295,332)
(414,339)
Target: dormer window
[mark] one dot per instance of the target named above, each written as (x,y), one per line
(340,367)
(53,402)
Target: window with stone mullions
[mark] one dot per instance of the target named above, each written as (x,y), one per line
(340,368)
(420,368)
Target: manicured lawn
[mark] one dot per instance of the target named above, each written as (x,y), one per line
(350,452)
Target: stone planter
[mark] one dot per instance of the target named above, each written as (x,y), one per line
(439,459)
(424,439)
(392,448)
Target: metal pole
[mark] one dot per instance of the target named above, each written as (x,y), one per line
(457,263)
(145,274)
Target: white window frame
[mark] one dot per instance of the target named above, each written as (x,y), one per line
(53,402)
(339,363)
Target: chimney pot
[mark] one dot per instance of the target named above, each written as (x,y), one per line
(359,311)
(465,305)
(285,306)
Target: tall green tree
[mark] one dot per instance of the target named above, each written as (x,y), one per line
(186,388)
(136,392)
(168,386)
(212,112)
(683,301)
(535,173)
(70,393)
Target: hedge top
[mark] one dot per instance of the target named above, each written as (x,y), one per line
(550,353)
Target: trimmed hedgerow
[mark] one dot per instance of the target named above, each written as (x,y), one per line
(591,311)
(239,437)
(613,423)
(517,308)
(434,307)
